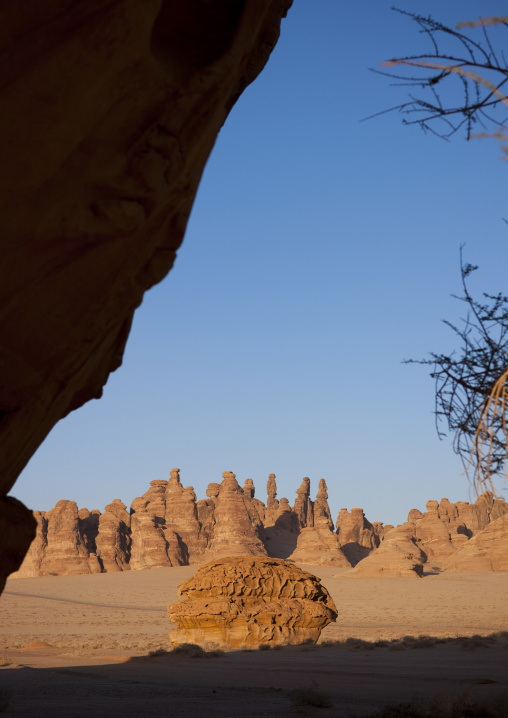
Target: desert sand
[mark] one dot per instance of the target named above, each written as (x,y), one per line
(79,646)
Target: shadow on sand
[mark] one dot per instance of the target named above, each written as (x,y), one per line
(353,677)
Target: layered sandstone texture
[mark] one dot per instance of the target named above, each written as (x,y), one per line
(487,551)
(446,527)
(246,602)
(448,536)
(109,112)
(167,526)
(397,555)
(357,536)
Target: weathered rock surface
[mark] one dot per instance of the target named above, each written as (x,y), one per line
(65,550)
(114,538)
(182,517)
(397,555)
(447,527)
(101,161)
(319,544)
(250,601)
(237,527)
(303,508)
(168,527)
(357,536)
(486,551)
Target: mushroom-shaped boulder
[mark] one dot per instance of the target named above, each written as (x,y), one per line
(246,601)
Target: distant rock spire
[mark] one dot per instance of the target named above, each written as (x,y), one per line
(303,505)
(248,488)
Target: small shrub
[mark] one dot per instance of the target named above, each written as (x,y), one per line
(5,661)
(447,706)
(358,643)
(189,649)
(310,697)
(216,653)
(264,647)
(157,652)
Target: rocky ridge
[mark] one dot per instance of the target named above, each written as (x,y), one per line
(168,526)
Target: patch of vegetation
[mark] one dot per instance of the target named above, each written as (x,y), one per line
(192,650)
(157,652)
(447,706)
(309,696)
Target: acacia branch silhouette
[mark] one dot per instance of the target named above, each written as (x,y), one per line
(480,70)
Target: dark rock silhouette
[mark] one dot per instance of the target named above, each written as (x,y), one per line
(101,161)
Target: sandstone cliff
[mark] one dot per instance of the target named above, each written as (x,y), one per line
(397,555)
(357,536)
(447,527)
(486,551)
(167,526)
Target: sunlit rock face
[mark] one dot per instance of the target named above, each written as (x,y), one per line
(397,555)
(486,551)
(109,112)
(357,536)
(114,538)
(237,527)
(447,527)
(245,602)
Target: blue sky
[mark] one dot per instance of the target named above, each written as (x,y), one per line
(320,253)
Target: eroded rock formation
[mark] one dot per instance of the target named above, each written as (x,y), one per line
(397,555)
(486,551)
(357,536)
(447,527)
(167,526)
(237,527)
(245,602)
(319,544)
(114,538)
(101,161)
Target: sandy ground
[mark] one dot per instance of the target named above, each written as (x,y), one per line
(100,629)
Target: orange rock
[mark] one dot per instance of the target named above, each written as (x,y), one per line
(237,527)
(318,545)
(397,555)
(153,544)
(249,601)
(114,538)
(487,551)
(357,536)
(446,527)
(66,551)
(182,517)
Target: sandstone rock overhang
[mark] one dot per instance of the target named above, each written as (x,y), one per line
(109,111)
(245,602)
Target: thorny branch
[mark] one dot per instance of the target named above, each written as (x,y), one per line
(468,396)
(481,73)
